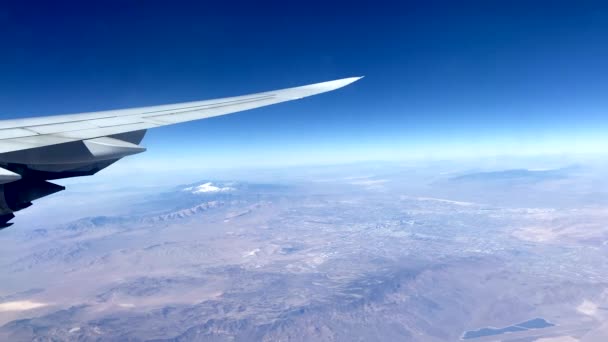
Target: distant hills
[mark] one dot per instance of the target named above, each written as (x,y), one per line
(522,175)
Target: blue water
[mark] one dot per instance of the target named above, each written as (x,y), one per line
(536,323)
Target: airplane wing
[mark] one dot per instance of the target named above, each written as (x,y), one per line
(35,150)
(23,134)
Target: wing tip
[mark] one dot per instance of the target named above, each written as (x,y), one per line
(343,82)
(333,85)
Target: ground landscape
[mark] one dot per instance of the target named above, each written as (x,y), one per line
(352,253)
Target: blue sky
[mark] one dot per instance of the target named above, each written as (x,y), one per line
(443,79)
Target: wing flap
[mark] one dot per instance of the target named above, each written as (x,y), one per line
(11,133)
(26,143)
(105,131)
(198,114)
(62,127)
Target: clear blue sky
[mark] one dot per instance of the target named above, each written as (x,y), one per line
(455,78)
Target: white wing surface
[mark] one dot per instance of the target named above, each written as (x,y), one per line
(30,133)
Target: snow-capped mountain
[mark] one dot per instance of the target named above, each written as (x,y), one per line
(208,187)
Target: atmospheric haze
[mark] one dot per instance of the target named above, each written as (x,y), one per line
(371,251)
